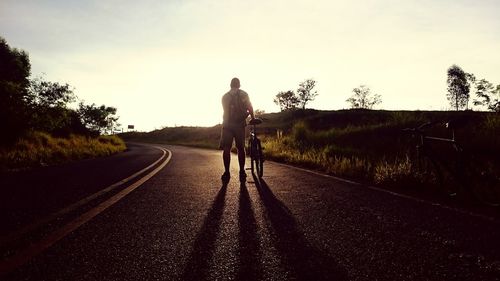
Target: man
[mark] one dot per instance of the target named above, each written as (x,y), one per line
(237,107)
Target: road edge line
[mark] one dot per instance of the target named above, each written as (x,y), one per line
(436,204)
(34,225)
(33,250)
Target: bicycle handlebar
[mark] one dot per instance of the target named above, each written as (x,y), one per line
(420,131)
(426,125)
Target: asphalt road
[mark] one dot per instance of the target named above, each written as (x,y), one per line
(183,224)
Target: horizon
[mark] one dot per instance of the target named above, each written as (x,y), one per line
(168,64)
(314,109)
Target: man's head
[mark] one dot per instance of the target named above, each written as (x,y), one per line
(235,83)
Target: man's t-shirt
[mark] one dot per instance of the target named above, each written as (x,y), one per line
(238,98)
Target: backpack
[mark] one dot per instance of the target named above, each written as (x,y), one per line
(237,111)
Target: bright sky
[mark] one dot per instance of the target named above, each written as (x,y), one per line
(166,63)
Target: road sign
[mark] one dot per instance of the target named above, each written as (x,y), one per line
(130,127)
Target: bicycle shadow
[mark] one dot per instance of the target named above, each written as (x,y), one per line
(250,253)
(203,248)
(299,257)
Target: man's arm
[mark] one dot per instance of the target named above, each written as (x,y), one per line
(250,107)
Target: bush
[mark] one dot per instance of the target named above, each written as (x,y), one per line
(301,136)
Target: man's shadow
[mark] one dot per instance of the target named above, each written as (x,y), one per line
(203,248)
(299,257)
(250,254)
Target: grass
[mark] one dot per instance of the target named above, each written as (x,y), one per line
(40,149)
(378,152)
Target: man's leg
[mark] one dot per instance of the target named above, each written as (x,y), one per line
(240,145)
(241,159)
(226,157)
(226,143)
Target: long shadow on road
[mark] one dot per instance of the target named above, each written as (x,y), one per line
(198,264)
(249,240)
(298,256)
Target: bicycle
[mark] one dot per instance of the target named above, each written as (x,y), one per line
(255,149)
(452,173)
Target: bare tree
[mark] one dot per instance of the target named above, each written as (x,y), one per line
(363,98)
(305,92)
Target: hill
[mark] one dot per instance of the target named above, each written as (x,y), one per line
(316,120)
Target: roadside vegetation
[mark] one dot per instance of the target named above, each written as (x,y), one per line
(378,151)
(41,149)
(41,123)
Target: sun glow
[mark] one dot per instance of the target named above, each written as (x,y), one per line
(166,64)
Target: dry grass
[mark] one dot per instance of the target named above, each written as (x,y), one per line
(378,153)
(286,150)
(39,149)
(394,172)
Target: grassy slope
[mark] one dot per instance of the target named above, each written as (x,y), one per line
(206,137)
(39,149)
(361,144)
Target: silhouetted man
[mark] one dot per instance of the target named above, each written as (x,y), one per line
(237,107)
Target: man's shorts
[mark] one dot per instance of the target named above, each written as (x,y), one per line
(230,133)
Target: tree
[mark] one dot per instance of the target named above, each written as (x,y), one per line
(98,119)
(39,104)
(363,98)
(495,104)
(487,95)
(484,89)
(48,103)
(305,93)
(15,69)
(458,87)
(49,94)
(286,100)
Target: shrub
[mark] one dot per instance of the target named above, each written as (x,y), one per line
(301,135)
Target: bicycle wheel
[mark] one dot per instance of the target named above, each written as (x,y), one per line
(437,174)
(255,158)
(428,171)
(259,163)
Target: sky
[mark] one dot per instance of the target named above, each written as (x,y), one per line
(168,63)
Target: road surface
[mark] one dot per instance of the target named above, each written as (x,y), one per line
(176,221)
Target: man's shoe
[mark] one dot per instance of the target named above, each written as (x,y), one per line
(243,176)
(225,177)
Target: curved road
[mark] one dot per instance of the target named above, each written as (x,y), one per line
(182,224)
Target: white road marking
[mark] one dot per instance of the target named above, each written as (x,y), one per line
(38,247)
(36,224)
